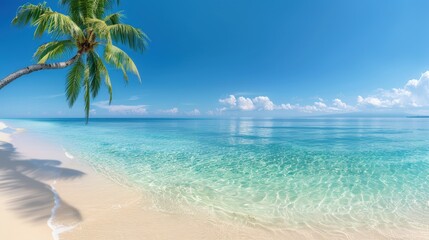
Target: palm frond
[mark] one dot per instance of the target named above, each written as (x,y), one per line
(96,71)
(29,13)
(100,28)
(79,10)
(108,84)
(74,10)
(120,59)
(74,81)
(101,6)
(53,50)
(57,24)
(94,74)
(87,93)
(128,35)
(114,18)
(87,8)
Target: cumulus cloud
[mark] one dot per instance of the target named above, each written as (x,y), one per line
(286,106)
(241,103)
(194,112)
(339,104)
(122,109)
(373,101)
(170,111)
(230,101)
(320,105)
(245,104)
(415,93)
(264,103)
(249,104)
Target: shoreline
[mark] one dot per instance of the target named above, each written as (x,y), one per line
(50,194)
(90,206)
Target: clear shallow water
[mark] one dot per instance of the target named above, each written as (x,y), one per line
(314,173)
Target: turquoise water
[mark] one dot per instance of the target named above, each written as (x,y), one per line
(318,173)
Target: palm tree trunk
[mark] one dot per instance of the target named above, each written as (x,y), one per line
(36,67)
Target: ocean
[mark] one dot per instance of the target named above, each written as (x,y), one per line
(319,173)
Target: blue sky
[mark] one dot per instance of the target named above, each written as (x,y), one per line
(272,58)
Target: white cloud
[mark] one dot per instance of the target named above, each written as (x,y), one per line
(339,104)
(249,104)
(415,93)
(245,104)
(263,102)
(373,101)
(194,112)
(308,109)
(320,105)
(413,83)
(170,111)
(122,109)
(230,101)
(286,106)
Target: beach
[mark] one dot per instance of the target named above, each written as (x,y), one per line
(214,120)
(47,192)
(38,177)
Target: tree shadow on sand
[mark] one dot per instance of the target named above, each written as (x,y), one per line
(32,199)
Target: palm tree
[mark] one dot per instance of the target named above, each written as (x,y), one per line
(85,31)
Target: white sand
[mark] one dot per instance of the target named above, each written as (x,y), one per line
(19,211)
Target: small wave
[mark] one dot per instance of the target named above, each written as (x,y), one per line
(68,155)
(4,134)
(3,125)
(9,130)
(57,229)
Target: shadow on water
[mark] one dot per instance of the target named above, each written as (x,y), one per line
(29,197)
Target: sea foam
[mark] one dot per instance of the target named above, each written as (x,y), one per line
(68,155)
(2,126)
(57,229)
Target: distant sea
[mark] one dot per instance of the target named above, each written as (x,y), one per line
(353,173)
